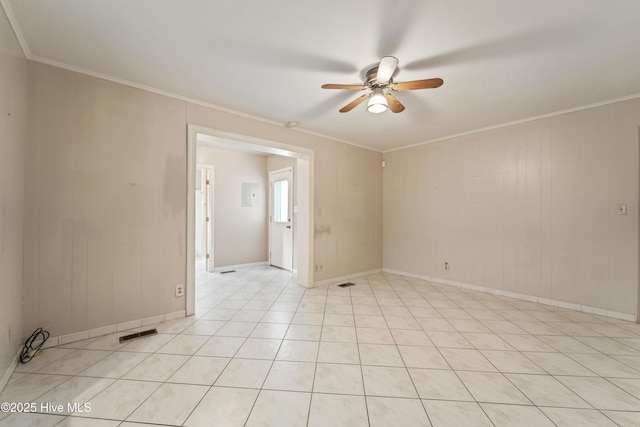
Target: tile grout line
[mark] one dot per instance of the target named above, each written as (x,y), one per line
(355,326)
(409,374)
(400,289)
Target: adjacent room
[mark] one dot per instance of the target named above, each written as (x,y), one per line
(293,213)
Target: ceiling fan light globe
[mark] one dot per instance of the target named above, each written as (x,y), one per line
(377,108)
(377,104)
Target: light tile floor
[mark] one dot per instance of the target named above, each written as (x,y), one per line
(389,351)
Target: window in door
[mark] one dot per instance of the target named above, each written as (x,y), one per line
(281,201)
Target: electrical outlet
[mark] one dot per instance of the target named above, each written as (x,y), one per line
(446,265)
(318,268)
(179,290)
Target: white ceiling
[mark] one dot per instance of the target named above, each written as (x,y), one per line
(501,60)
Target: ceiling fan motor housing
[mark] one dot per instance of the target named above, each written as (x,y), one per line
(371,81)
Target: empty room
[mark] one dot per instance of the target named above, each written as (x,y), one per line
(338,213)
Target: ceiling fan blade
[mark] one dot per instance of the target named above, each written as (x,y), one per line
(353,104)
(394,105)
(386,68)
(418,84)
(339,86)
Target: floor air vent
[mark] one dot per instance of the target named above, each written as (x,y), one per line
(228,271)
(344,285)
(137,335)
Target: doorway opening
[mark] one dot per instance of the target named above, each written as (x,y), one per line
(301,207)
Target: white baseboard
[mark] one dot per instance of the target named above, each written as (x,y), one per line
(7,374)
(110,329)
(239,266)
(531,298)
(337,280)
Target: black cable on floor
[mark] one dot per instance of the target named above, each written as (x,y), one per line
(29,350)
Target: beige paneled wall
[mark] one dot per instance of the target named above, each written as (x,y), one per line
(13,113)
(240,233)
(105,228)
(347,210)
(105,217)
(529,208)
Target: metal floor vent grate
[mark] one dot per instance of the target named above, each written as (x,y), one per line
(142,334)
(344,285)
(228,271)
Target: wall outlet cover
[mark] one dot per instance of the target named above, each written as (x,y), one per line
(179,290)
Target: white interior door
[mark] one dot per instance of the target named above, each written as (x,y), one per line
(280,218)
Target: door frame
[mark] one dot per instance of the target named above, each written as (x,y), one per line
(291,211)
(304,240)
(211,169)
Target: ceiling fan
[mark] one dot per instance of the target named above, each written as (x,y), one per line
(379,81)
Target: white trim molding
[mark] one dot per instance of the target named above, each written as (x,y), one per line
(111,329)
(240,266)
(12,367)
(340,279)
(531,298)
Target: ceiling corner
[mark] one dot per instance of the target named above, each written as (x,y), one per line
(6,6)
